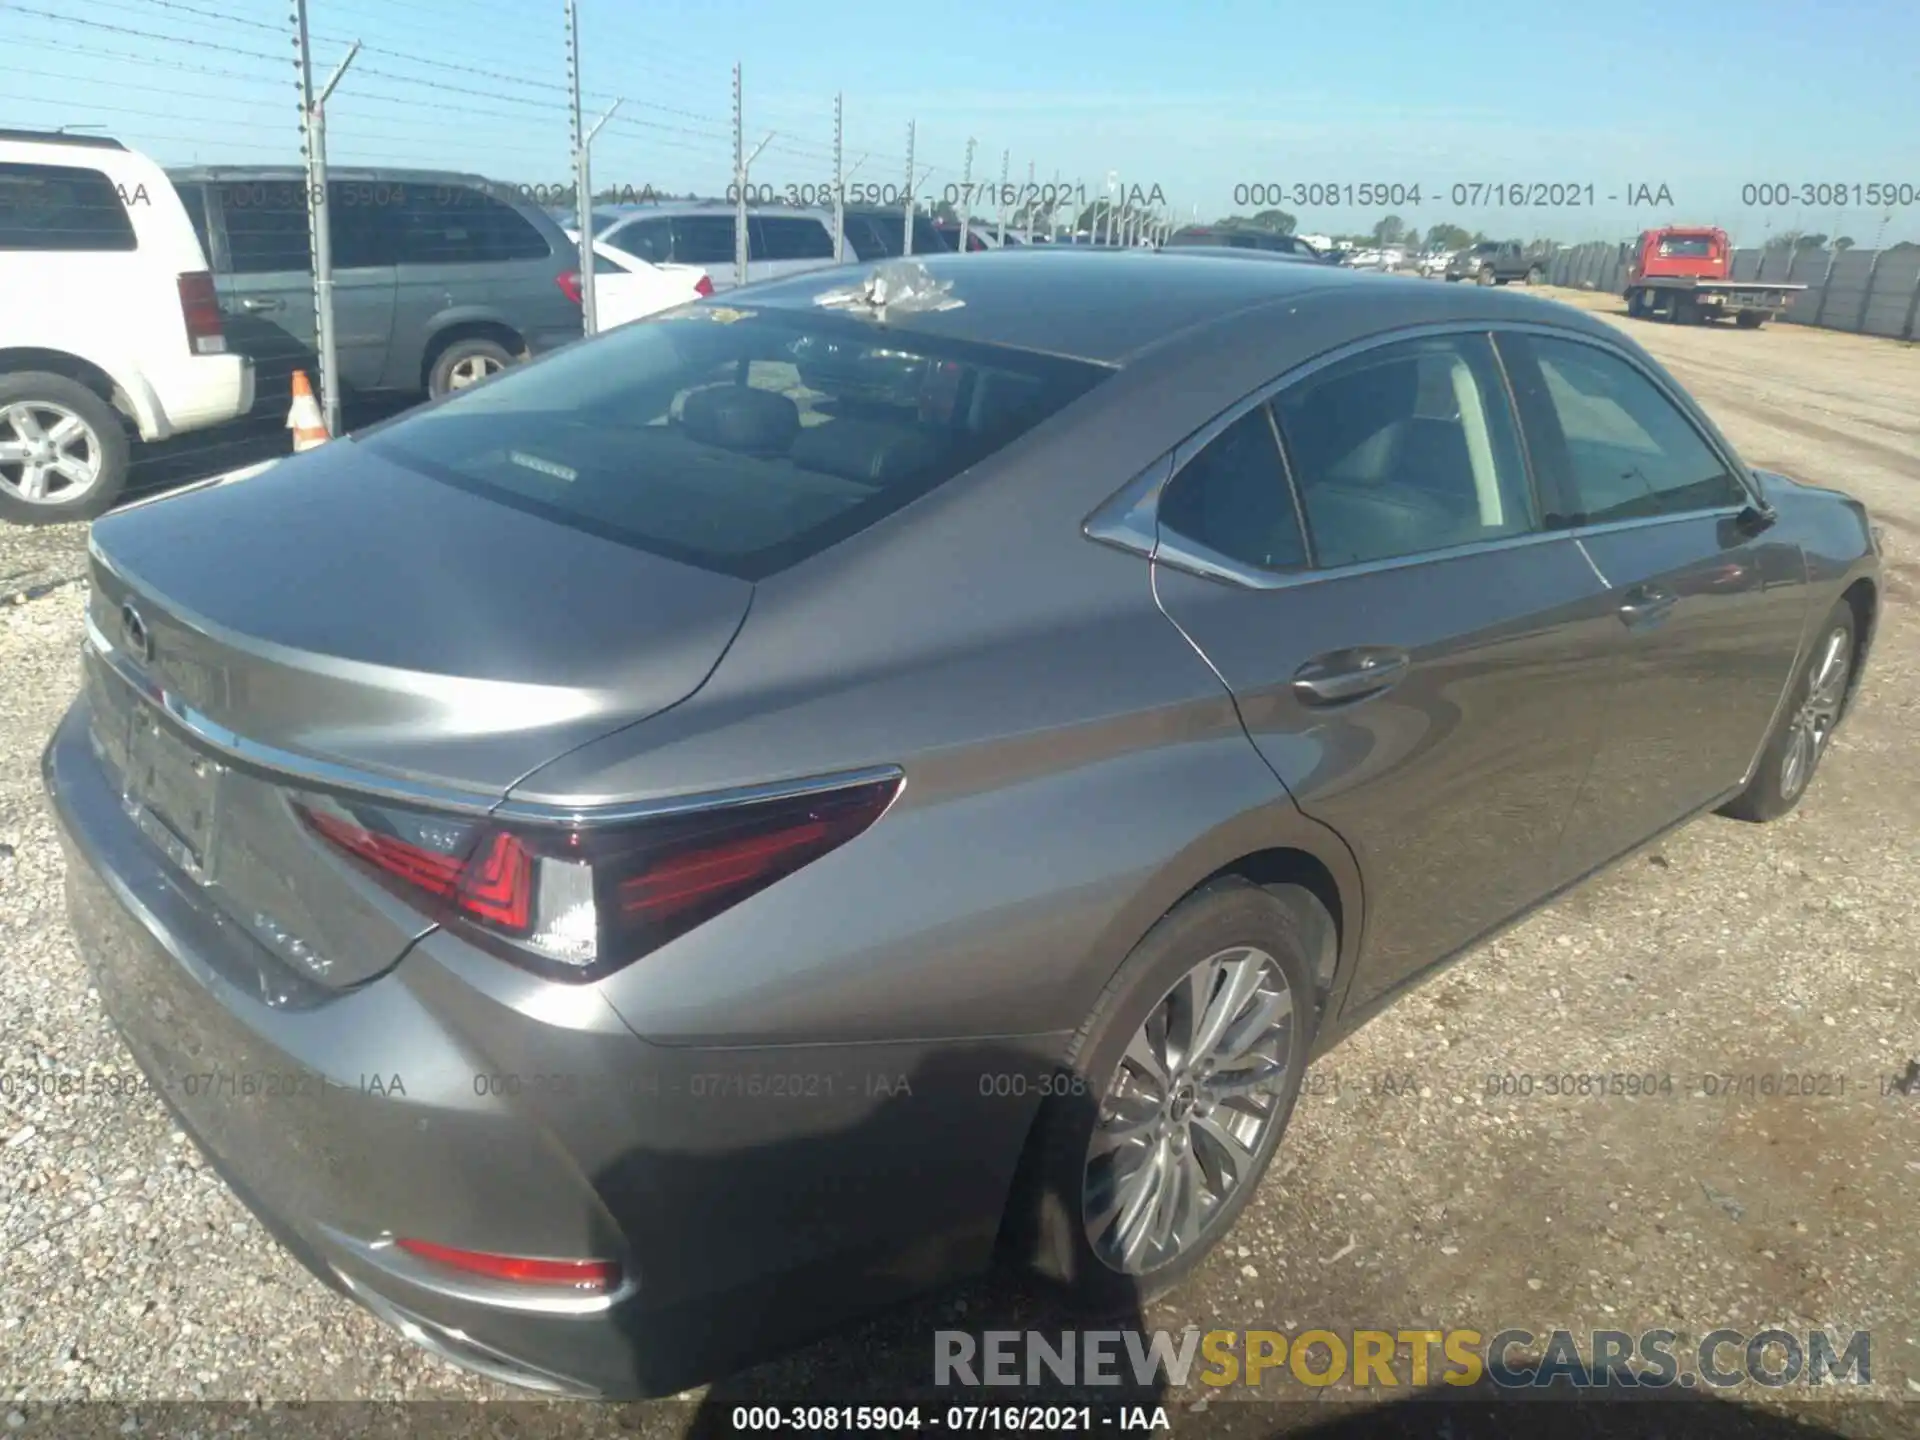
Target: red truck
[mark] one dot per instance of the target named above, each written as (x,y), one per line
(1684,274)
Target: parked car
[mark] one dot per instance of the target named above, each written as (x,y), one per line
(781,241)
(725,854)
(1435,262)
(440,279)
(877,233)
(1496,262)
(627,289)
(108,326)
(1241,237)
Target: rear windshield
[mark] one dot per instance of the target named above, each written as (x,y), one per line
(1686,247)
(736,440)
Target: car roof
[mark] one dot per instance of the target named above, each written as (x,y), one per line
(499,189)
(1108,306)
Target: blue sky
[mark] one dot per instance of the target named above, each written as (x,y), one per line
(1196,99)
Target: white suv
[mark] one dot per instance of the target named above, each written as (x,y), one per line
(110,323)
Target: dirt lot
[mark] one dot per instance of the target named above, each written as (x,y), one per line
(1406,1196)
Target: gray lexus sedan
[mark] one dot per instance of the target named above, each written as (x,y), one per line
(748,816)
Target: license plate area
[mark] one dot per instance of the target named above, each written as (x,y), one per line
(173,793)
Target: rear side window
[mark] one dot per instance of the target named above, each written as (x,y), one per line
(61,207)
(266,224)
(741,442)
(865,239)
(791,238)
(1232,498)
(458,225)
(1406,448)
(703,239)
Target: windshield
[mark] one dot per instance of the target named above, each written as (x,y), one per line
(740,441)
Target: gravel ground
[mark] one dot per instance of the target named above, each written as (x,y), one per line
(1405,1195)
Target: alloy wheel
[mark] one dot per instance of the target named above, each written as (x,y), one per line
(1819,712)
(472,370)
(48,454)
(1189,1110)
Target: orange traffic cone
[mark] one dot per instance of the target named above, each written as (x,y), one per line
(304,419)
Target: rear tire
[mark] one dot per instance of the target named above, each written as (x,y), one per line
(63,450)
(1185,1186)
(1816,703)
(467,362)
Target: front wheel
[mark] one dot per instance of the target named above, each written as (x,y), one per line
(1192,1061)
(63,450)
(1534,276)
(1487,277)
(1815,703)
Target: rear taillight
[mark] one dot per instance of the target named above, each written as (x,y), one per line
(580,901)
(591,1276)
(569,283)
(703,286)
(200,308)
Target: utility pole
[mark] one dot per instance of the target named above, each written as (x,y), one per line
(839,184)
(741,162)
(906,243)
(1000,230)
(966,197)
(313,119)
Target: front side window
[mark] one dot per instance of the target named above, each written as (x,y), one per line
(61,207)
(648,240)
(1406,448)
(738,441)
(1626,451)
(1232,498)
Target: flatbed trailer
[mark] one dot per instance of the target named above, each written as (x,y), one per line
(1689,299)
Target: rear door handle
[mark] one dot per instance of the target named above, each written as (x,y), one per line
(1646,605)
(1345,675)
(254,304)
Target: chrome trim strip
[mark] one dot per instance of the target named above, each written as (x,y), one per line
(329,775)
(618,811)
(231,745)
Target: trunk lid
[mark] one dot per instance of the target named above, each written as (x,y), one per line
(338,612)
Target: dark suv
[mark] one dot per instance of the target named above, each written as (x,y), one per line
(1235,237)
(440,279)
(1495,262)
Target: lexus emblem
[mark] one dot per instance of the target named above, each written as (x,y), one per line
(134,630)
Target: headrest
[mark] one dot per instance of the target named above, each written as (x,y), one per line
(738,417)
(871,451)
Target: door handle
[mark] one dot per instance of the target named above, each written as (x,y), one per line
(1646,605)
(254,304)
(1345,675)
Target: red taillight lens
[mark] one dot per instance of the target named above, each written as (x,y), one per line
(569,282)
(200,308)
(589,1275)
(703,286)
(578,902)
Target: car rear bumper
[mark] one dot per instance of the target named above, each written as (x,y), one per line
(206,390)
(748,1209)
